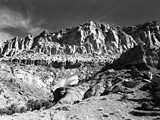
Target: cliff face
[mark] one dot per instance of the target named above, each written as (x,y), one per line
(147,33)
(140,56)
(15,45)
(87,39)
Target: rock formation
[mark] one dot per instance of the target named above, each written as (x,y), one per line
(147,33)
(139,56)
(88,39)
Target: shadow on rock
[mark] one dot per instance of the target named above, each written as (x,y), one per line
(58,94)
(145,113)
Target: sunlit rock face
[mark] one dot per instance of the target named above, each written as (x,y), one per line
(147,33)
(16,45)
(90,38)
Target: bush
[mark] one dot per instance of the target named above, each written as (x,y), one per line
(12,109)
(2,111)
(146,106)
(9,110)
(37,105)
(47,104)
(31,105)
(22,109)
(124,97)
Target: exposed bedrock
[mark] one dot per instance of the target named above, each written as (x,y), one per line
(89,38)
(55,64)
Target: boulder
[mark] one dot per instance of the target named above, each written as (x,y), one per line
(74,94)
(66,81)
(96,90)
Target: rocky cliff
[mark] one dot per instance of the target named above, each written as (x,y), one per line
(90,39)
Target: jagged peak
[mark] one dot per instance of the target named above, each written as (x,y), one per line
(91,37)
(151,25)
(44,33)
(29,37)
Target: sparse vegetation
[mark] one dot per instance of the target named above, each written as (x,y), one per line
(31,105)
(9,110)
(37,105)
(146,106)
(124,97)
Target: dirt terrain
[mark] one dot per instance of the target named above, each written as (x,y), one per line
(116,104)
(110,107)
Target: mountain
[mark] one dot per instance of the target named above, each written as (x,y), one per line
(91,39)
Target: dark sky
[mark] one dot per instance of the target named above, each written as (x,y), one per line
(23,17)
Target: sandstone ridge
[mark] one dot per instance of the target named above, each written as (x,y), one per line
(82,42)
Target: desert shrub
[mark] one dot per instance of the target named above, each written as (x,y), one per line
(146,106)
(12,109)
(30,105)
(22,109)
(9,110)
(124,97)
(37,105)
(33,105)
(47,104)
(2,111)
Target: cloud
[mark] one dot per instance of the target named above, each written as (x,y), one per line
(10,18)
(14,19)
(5,36)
